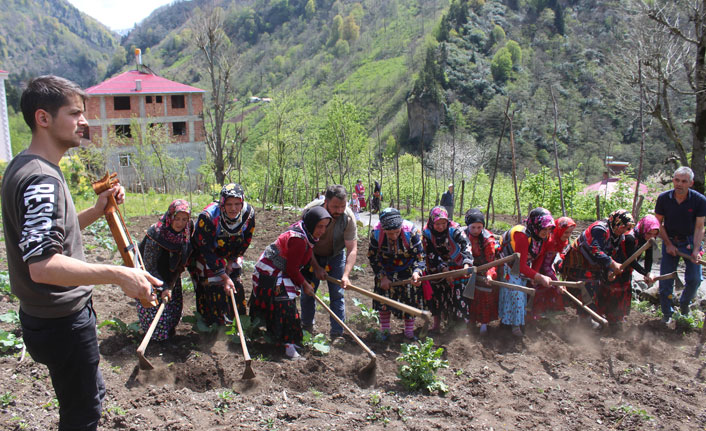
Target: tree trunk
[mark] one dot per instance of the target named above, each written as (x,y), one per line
(397,170)
(514,168)
(698,151)
(635,209)
(495,170)
(556,155)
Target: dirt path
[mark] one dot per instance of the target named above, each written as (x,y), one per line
(561,376)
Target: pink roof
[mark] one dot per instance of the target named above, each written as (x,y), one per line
(151,84)
(611,185)
(4,71)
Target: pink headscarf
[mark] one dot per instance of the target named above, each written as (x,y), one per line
(646,224)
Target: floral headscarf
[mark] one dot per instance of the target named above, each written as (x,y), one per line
(538,219)
(164,225)
(437,213)
(646,224)
(177,243)
(619,218)
(232,190)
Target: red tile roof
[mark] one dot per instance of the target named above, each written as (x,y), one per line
(151,84)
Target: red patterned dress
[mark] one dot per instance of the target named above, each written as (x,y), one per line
(484,306)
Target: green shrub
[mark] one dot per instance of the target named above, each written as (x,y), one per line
(419,363)
(9,342)
(318,343)
(116,325)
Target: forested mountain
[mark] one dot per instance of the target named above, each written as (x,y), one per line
(436,70)
(52,36)
(490,51)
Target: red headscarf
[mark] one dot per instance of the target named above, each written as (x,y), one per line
(562,225)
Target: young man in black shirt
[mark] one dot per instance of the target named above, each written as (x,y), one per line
(45,253)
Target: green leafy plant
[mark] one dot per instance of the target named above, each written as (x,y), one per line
(102,235)
(52,403)
(6,399)
(117,410)
(248,265)
(324,297)
(630,410)
(378,334)
(9,342)
(116,325)
(269,423)
(316,393)
(380,412)
(694,320)
(224,401)
(5,285)
(21,424)
(642,306)
(187,286)
(367,316)
(419,363)
(199,325)
(10,317)
(319,343)
(251,329)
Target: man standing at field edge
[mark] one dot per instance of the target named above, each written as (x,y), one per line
(681,212)
(45,253)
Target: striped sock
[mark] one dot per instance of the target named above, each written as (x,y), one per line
(409,327)
(385,321)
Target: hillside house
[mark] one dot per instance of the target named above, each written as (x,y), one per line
(138,97)
(5,147)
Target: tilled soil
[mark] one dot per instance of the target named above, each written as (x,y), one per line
(560,376)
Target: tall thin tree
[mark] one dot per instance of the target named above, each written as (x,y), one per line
(220,62)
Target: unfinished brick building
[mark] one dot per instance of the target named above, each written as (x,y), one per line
(140,98)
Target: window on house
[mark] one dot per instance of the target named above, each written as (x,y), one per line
(178,101)
(125,160)
(121,103)
(87,133)
(123,131)
(179,128)
(158,99)
(148,99)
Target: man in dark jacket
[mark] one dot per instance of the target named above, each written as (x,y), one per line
(447,201)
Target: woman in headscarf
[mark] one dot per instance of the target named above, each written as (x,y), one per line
(396,253)
(165,250)
(550,298)
(529,240)
(278,280)
(591,257)
(484,306)
(447,248)
(614,299)
(222,235)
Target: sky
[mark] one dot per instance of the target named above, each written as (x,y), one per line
(118,15)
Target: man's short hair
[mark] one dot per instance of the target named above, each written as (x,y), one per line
(685,170)
(49,93)
(336,191)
